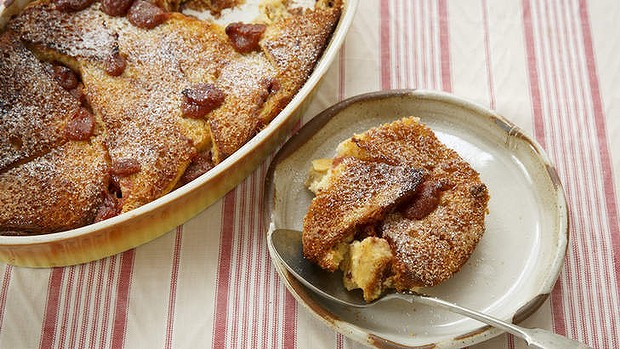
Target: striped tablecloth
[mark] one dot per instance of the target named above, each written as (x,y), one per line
(551,67)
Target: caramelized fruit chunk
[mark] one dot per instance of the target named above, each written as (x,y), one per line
(81,126)
(245,37)
(125,167)
(65,77)
(73,5)
(145,15)
(116,7)
(201,99)
(115,64)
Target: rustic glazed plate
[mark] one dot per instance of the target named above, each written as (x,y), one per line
(515,265)
(152,220)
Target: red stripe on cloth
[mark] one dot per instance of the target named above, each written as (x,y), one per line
(601,131)
(532,70)
(67,306)
(89,285)
(270,279)
(511,341)
(119,327)
(238,306)
(395,23)
(435,64)
(339,341)
(50,317)
(244,260)
(77,308)
(412,50)
(260,265)
(290,322)
(425,52)
(257,253)
(220,323)
(406,38)
(385,58)
(444,44)
(557,309)
(341,72)
(6,281)
(107,301)
(256,257)
(98,298)
(174,278)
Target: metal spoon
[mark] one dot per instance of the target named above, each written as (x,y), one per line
(287,246)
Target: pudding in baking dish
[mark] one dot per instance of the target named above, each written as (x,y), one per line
(394,209)
(108,105)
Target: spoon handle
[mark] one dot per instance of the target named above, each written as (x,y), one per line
(535,338)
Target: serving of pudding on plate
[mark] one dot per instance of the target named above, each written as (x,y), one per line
(394,209)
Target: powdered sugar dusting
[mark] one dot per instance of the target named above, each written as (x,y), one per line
(78,35)
(65,189)
(246,82)
(33,111)
(138,113)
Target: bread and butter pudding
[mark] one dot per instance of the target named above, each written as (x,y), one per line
(108,105)
(394,209)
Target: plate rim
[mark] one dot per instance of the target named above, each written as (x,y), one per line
(354,332)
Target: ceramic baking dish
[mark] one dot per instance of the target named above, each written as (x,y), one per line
(154,219)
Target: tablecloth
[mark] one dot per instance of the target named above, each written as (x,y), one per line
(551,67)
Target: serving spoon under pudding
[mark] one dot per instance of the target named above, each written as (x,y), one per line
(287,246)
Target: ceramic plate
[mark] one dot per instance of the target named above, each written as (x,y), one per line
(516,263)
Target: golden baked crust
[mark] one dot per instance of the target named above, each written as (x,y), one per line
(247,83)
(65,36)
(138,84)
(358,194)
(142,128)
(293,43)
(60,190)
(430,250)
(431,236)
(147,124)
(34,111)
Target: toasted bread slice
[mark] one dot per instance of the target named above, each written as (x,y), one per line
(356,194)
(60,190)
(147,124)
(246,82)
(141,129)
(66,36)
(34,108)
(140,110)
(431,249)
(293,43)
(430,233)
